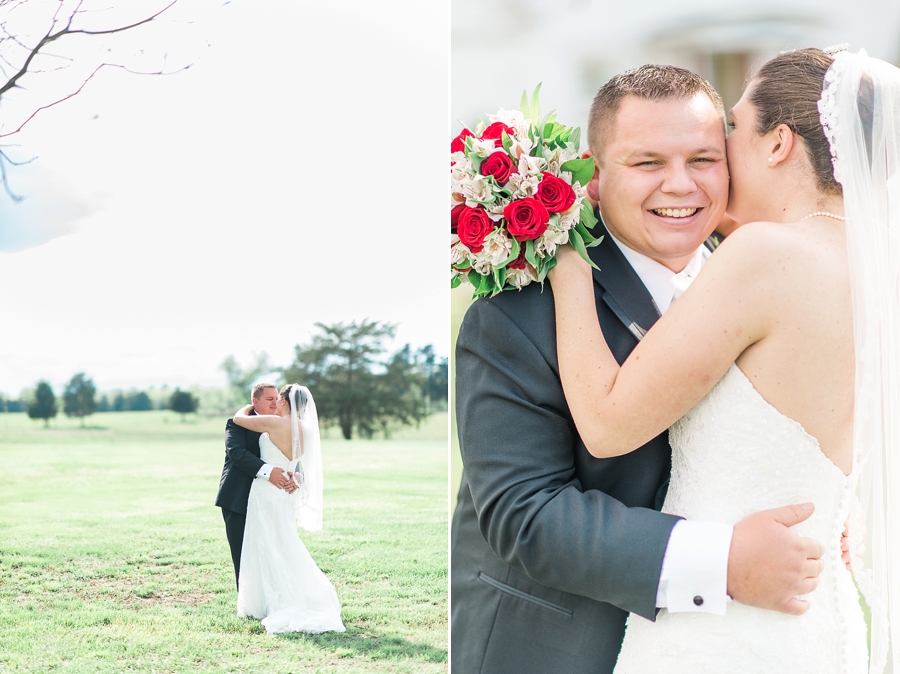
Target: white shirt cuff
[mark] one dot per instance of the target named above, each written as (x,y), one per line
(265,471)
(695,568)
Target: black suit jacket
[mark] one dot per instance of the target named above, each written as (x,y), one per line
(242,463)
(550,547)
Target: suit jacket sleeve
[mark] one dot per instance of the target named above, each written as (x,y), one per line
(236,449)
(518,446)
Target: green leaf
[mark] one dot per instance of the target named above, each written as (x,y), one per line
(549,263)
(582,170)
(575,137)
(587,217)
(506,141)
(530,256)
(577,243)
(535,105)
(514,251)
(524,107)
(499,279)
(456,281)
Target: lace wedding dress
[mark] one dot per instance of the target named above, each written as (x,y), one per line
(279,581)
(734,455)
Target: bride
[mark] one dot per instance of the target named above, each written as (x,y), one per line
(781,364)
(280,583)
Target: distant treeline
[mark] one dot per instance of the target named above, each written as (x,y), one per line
(358,383)
(113,401)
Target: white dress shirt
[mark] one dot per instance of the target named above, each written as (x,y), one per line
(695,567)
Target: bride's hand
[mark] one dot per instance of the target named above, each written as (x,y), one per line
(569,265)
(244,411)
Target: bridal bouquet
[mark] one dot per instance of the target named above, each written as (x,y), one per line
(517,193)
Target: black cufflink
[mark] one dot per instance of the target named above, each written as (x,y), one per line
(698,600)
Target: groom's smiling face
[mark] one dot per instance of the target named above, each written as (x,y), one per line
(266,403)
(662,177)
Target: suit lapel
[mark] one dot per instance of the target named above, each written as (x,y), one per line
(622,289)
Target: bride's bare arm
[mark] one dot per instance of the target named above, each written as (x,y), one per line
(617,409)
(260,423)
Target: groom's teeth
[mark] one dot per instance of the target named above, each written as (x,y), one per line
(675,212)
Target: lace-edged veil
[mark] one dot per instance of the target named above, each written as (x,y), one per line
(306,447)
(860,111)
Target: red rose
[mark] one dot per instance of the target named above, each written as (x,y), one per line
(454,217)
(519,262)
(458,144)
(495,132)
(526,218)
(498,165)
(555,193)
(472,226)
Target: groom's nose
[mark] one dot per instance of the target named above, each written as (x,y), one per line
(678,180)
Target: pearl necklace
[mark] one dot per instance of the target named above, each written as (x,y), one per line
(826,214)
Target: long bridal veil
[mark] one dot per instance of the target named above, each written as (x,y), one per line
(860,109)
(307,458)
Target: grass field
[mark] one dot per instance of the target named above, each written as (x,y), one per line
(114,559)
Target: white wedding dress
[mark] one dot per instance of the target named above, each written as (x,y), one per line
(279,581)
(734,455)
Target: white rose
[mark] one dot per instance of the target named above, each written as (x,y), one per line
(514,119)
(458,251)
(496,249)
(495,210)
(569,218)
(522,186)
(476,190)
(531,166)
(483,147)
(520,277)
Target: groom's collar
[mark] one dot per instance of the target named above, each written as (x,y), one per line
(623,291)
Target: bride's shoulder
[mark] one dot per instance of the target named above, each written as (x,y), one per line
(783,257)
(765,244)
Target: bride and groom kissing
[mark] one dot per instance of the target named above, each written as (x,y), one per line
(685,465)
(271,483)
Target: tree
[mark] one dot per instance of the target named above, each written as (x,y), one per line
(436,376)
(43,60)
(140,402)
(354,386)
(43,405)
(240,380)
(78,397)
(183,403)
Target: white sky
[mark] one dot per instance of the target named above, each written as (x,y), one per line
(288,177)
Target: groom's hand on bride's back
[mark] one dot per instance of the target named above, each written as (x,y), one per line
(769,564)
(282,479)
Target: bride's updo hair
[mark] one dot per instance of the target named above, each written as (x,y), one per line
(285,394)
(786,90)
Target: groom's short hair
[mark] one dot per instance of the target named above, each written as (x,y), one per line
(649,82)
(258,389)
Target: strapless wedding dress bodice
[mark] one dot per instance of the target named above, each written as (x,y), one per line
(734,455)
(279,581)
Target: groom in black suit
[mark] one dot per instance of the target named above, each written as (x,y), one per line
(550,547)
(242,466)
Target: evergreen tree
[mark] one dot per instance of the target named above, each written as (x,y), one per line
(43,405)
(183,403)
(78,397)
(355,386)
(140,402)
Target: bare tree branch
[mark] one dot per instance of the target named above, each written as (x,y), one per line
(20,55)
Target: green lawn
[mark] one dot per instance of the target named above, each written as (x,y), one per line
(114,559)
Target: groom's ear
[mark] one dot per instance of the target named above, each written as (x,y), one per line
(592,188)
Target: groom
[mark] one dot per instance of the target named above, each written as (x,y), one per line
(242,465)
(551,548)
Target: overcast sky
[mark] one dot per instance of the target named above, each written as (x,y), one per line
(288,177)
